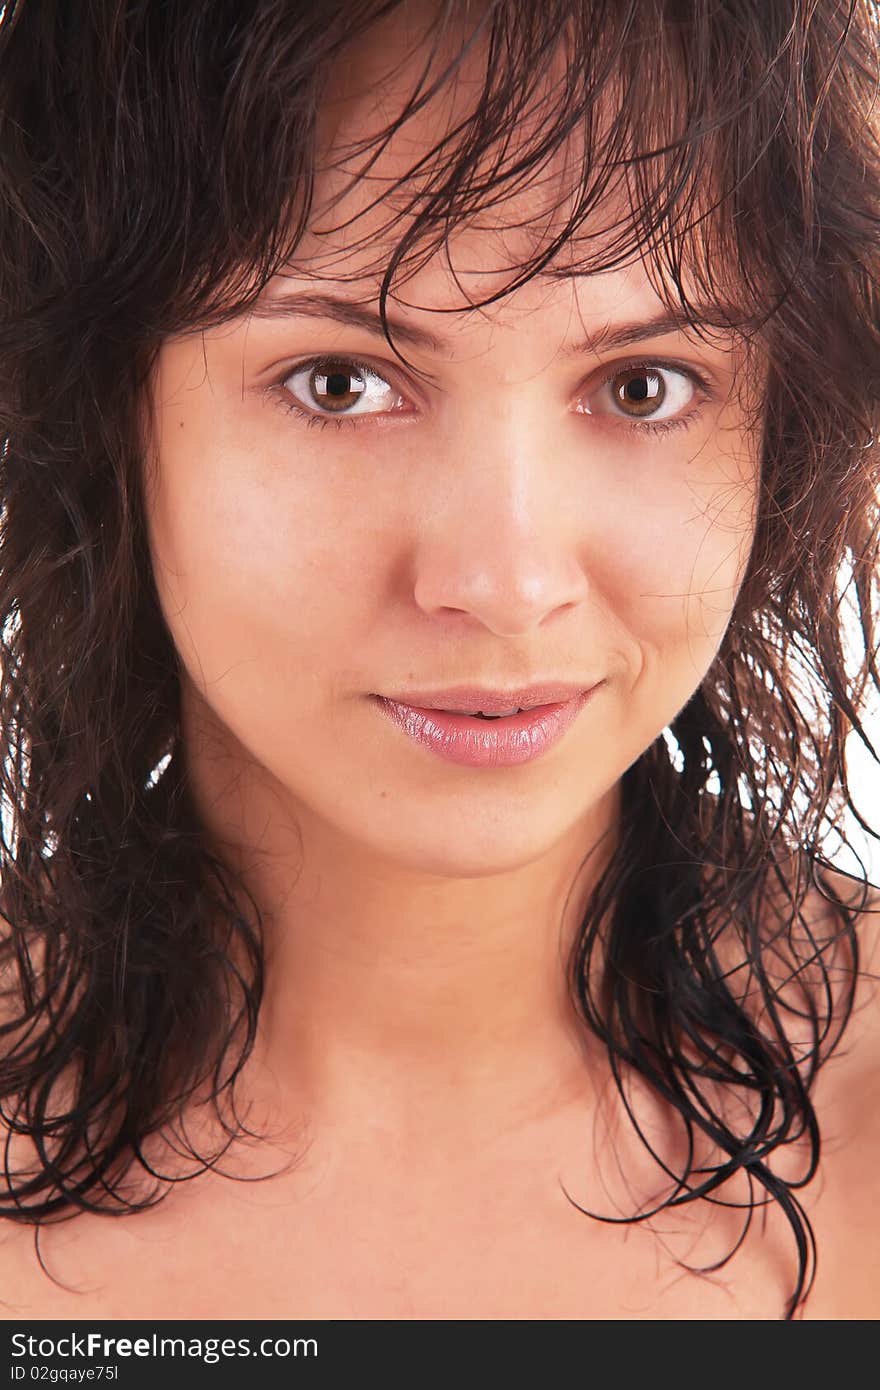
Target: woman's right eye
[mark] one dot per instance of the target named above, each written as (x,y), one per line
(339,387)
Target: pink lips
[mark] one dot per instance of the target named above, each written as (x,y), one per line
(472,742)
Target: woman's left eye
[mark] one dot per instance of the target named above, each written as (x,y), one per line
(648,395)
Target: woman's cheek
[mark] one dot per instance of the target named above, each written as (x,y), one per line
(670,563)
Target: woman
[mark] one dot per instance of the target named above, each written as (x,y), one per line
(372,372)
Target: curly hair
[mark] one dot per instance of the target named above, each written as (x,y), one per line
(137,145)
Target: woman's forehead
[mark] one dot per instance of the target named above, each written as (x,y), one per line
(362,205)
(466,281)
(379,162)
(449,307)
(377,72)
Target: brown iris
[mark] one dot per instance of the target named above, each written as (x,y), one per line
(639,388)
(336,385)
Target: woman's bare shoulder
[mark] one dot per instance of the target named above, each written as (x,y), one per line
(845,1197)
(818,989)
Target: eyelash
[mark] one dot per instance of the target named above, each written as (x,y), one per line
(281,396)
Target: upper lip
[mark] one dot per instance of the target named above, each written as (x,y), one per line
(473,700)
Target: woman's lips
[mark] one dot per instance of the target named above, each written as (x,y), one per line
(473,742)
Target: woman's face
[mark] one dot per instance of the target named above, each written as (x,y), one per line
(521,517)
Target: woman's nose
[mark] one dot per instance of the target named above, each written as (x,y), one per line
(501,539)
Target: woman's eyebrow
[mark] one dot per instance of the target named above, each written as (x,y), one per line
(667,321)
(346,311)
(359,315)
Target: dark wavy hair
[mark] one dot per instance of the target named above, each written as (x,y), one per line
(157,164)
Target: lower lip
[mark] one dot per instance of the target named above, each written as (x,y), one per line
(460,738)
